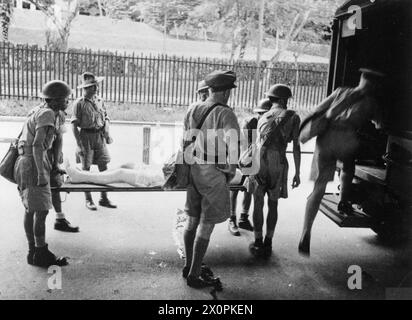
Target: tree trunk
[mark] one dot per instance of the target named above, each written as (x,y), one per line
(99,3)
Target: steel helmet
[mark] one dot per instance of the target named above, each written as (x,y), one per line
(202,86)
(56,89)
(263,106)
(279,91)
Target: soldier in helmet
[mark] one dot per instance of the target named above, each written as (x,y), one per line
(203,90)
(275,129)
(55,156)
(90,116)
(33,167)
(248,126)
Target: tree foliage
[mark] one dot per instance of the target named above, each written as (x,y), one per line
(6,12)
(60,15)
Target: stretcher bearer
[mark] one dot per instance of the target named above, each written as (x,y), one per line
(89,114)
(277,127)
(32,171)
(55,156)
(348,109)
(248,126)
(208,199)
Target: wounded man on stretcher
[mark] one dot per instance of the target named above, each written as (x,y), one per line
(135,175)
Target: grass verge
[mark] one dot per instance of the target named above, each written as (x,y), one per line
(116,111)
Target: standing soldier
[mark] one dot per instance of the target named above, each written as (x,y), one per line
(32,171)
(55,156)
(90,116)
(203,90)
(276,128)
(248,126)
(208,198)
(203,93)
(347,110)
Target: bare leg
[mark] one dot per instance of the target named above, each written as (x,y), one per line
(87,194)
(247,200)
(346,177)
(271,219)
(40,228)
(233,204)
(103,167)
(312,208)
(146,177)
(57,203)
(128,165)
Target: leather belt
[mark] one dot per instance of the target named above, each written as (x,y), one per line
(91,130)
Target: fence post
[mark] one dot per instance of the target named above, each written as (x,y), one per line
(146,144)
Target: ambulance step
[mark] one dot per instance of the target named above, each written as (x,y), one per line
(358,219)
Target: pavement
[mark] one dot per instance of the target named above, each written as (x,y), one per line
(130,252)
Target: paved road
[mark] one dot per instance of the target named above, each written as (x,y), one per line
(129,253)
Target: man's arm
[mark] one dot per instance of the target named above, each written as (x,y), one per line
(231,129)
(38,154)
(296,152)
(76,133)
(76,123)
(57,150)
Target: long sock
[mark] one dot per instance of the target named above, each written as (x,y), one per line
(40,228)
(189,239)
(103,196)
(88,196)
(199,251)
(270,233)
(258,235)
(57,201)
(103,167)
(60,215)
(28,227)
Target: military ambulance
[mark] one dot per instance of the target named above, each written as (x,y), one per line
(377,34)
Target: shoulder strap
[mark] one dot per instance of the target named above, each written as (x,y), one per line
(202,121)
(285,119)
(199,126)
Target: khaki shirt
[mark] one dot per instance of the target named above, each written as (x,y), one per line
(39,117)
(350,109)
(89,114)
(220,131)
(289,130)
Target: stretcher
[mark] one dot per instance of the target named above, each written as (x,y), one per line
(120,187)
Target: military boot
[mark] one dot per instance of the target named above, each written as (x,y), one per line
(30,254)
(45,258)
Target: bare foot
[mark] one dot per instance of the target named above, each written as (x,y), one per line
(73,173)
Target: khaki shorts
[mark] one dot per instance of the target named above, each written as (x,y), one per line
(95,149)
(208,195)
(34,198)
(333,146)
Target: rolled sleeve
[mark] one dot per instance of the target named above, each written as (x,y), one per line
(230,126)
(45,118)
(76,117)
